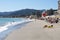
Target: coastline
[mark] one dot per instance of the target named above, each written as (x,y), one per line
(11,26)
(35,31)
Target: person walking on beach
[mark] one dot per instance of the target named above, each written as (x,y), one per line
(57,20)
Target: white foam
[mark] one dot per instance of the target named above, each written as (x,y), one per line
(2,29)
(12,24)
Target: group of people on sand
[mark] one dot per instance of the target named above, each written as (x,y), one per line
(46,26)
(52,20)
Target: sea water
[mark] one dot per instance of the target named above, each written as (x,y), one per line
(3,21)
(7,25)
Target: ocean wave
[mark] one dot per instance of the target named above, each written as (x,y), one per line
(10,24)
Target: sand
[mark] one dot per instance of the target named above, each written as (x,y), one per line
(35,31)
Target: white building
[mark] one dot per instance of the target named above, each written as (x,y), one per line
(58,11)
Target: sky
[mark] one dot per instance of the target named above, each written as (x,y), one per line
(13,5)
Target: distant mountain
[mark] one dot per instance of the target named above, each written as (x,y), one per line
(23,12)
(5,13)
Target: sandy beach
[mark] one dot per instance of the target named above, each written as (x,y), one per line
(35,31)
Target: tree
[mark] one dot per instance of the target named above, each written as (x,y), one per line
(38,14)
(50,12)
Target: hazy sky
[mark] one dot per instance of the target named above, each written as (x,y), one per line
(12,5)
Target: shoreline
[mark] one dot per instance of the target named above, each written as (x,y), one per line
(19,26)
(11,27)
